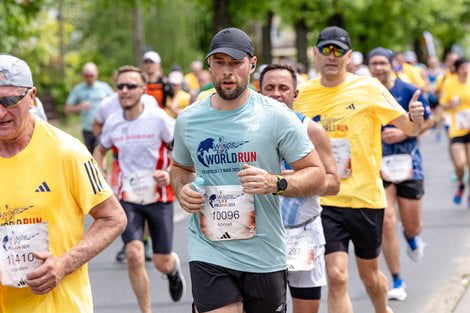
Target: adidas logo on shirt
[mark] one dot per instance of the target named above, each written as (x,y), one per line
(225,236)
(43,188)
(351,107)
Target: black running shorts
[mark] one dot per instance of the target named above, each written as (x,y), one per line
(362,226)
(214,287)
(410,189)
(461,139)
(159,217)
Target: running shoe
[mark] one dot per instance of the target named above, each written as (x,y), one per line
(148,249)
(458,194)
(398,292)
(176,281)
(415,248)
(121,255)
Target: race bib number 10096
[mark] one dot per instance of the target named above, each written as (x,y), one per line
(16,253)
(228,213)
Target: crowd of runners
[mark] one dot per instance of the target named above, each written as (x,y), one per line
(291,168)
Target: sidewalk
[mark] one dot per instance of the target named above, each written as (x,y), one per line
(463,306)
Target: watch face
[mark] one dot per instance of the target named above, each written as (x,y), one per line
(282,184)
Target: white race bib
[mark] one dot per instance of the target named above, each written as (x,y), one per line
(16,253)
(342,154)
(140,188)
(397,168)
(228,213)
(300,252)
(462,119)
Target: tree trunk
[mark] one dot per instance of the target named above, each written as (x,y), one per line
(221,18)
(266,44)
(60,21)
(301,31)
(138,32)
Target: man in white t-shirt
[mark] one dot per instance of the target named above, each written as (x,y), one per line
(142,136)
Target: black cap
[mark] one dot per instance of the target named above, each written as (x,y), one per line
(334,35)
(233,42)
(382,52)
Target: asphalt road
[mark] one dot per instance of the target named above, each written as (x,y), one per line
(434,285)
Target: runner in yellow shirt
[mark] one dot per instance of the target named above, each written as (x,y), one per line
(352,109)
(49,183)
(455,100)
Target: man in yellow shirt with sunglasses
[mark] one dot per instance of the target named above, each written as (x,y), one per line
(49,183)
(353,109)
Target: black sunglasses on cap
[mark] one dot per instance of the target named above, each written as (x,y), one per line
(12,101)
(128,86)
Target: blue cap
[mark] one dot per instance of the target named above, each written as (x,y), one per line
(381,51)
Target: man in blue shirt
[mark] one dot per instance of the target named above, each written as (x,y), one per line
(236,140)
(401,171)
(85,99)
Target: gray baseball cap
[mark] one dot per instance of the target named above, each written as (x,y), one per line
(233,42)
(14,72)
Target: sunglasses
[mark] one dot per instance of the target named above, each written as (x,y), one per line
(12,101)
(337,52)
(128,86)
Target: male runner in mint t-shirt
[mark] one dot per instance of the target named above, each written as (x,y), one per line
(236,140)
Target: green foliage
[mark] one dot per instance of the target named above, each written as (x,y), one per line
(173,28)
(180,30)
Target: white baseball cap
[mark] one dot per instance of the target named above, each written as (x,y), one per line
(176,78)
(152,56)
(14,72)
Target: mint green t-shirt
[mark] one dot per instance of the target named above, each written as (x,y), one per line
(216,143)
(93,94)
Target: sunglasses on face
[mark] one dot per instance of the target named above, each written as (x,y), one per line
(337,52)
(12,101)
(128,86)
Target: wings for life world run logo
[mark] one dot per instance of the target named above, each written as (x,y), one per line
(213,151)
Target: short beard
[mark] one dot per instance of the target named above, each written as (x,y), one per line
(233,94)
(130,107)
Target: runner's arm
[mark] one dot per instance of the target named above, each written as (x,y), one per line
(412,122)
(307,179)
(181,177)
(100,156)
(109,221)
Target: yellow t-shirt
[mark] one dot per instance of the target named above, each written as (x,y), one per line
(205,93)
(451,88)
(192,82)
(353,112)
(54,180)
(413,74)
(442,78)
(182,98)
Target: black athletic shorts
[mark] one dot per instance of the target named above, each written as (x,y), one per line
(214,287)
(410,189)
(159,217)
(308,293)
(362,226)
(461,139)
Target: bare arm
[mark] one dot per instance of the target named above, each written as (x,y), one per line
(69,109)
(109,221)
(307,179)
(322,144)
(97,128)
(180,177)
(100,156)
(412,122)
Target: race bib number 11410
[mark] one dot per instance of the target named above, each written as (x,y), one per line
(16,253)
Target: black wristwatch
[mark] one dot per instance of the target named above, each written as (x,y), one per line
(281,185)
